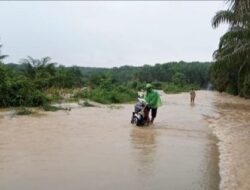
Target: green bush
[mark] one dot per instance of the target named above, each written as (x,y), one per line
(23,93)
(114,94)
(37,98)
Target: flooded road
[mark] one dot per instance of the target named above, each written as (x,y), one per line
(97,148)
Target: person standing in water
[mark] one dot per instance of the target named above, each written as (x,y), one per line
(153,102)
(192,96)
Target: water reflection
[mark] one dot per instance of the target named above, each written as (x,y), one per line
(143,141)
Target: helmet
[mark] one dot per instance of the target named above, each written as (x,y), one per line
(149,86)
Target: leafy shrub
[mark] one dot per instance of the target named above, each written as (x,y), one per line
(23,93)
(37,98)
(114,94)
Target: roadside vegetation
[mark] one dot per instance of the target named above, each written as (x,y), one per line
(231,70)
(40,82)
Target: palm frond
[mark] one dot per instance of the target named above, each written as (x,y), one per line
(234,36)
(45,60)
(221,17)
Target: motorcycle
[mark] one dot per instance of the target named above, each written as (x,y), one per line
(138,115)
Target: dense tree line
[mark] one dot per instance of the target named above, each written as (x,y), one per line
(28,82)
(231,71)
(120,84)
(173,72)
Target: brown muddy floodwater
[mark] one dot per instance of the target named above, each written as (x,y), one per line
(97,148)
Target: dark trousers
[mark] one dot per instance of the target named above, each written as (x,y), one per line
(147,110)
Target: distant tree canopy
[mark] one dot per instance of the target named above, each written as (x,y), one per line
(231,71)
(190,73)
(117,85)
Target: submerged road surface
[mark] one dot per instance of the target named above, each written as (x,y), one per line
(97,148)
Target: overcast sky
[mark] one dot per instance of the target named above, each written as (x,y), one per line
(107,34)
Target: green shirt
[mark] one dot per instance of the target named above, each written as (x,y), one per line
(153,99)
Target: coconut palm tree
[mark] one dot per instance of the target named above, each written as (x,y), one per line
(234,46)
(34,68)
(40,71)
(236,40)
